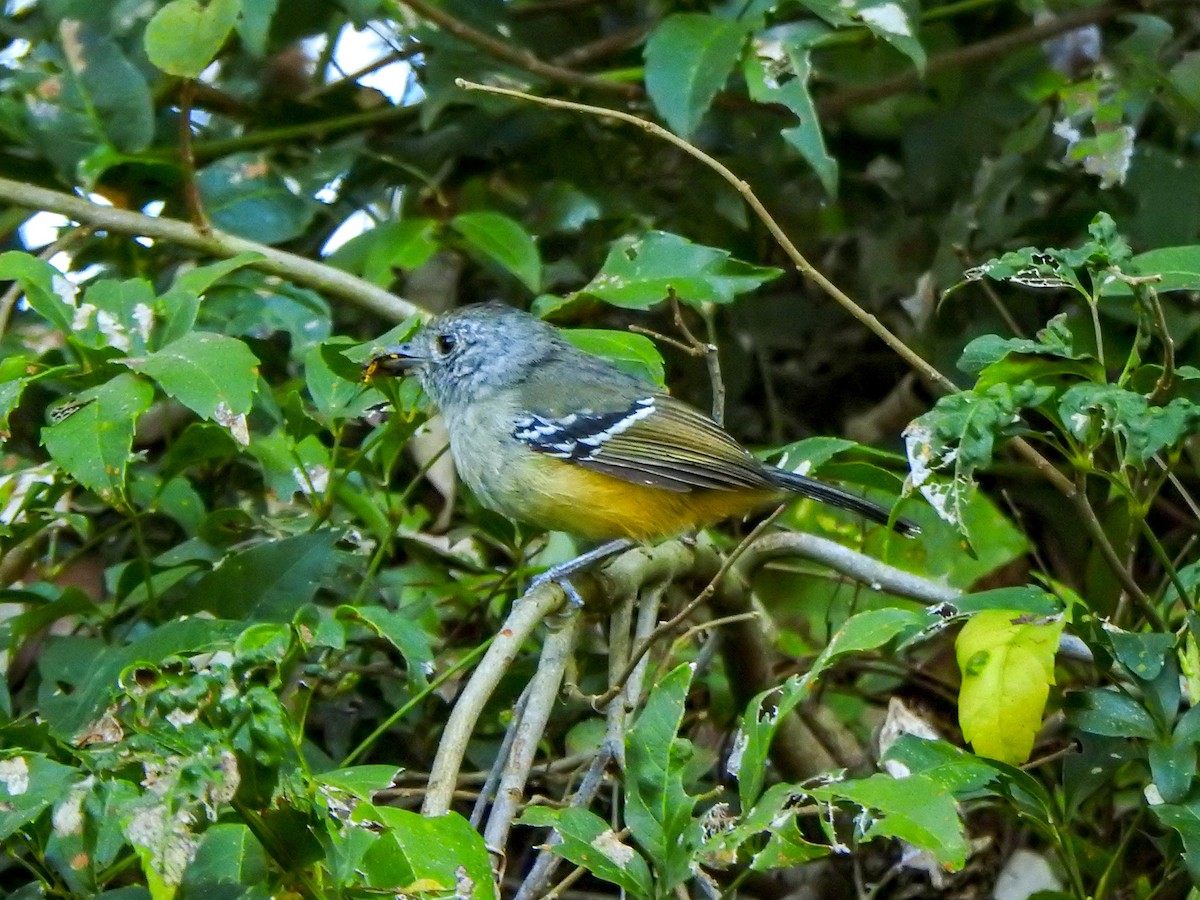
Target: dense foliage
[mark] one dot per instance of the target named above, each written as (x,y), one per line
(240,593)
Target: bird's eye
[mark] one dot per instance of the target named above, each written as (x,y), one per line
(446,343)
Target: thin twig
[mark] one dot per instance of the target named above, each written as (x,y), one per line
(693,346)
(492,782)
(322,278)
(710,624)
(668,627)
(400,713)
(187,160)
(743,188)
(1166,380)
(516,56)
(382,62)
(550,7)
(837,103)
(608,45)
(989,291)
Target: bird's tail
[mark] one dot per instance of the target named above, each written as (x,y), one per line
(835,496)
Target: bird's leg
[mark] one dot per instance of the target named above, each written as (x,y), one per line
(561,574)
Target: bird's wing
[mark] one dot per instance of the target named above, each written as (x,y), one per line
(652,439)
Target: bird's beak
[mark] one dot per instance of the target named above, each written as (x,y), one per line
(393,361)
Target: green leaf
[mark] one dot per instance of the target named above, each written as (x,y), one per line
(80,676)
(894,21)
(253,305)
(185,36)
(268,582)
(1185,819)
(254,24)
(1143,429)
(915,809)
(93,442)
(377,254)
(810,454)
(1142,653)
(1109,713)
(632,353)
(336,396)
(400,630)
(641,271)
(590,842)
(116,314)
(658,808)
(1022,600)
(15,377)
(688,59)
(1007,668)
(1172,767)
(213,375)
(864,631)
(361,782)
(1178,268)
(244,195)
(958,771)
(106,88)
(503,241)
(228,855)
(47,291)
(773,815)
(1055,340)
(444,853)
(29,783)
(778,73)
(198,280)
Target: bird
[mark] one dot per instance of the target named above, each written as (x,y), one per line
(547,434)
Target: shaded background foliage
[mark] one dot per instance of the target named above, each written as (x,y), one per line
(943,135)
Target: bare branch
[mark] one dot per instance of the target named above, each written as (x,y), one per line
(322,278)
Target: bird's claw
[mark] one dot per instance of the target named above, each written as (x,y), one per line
(552,577)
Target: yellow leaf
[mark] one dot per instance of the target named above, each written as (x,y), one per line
(1007,666)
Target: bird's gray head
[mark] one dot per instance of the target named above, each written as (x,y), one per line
(465,355)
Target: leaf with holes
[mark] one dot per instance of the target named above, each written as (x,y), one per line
(92,443)
(642,270)
(211,374)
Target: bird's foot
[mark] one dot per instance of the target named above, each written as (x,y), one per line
(561,573)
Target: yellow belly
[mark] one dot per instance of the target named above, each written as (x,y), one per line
(563,496)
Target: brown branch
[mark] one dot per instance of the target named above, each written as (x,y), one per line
(348,78)
(187,160)
(837,103)
(517,56)
(609,45)
(322,278)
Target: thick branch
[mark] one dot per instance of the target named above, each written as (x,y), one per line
(318,276)
(543,691)
(525,616)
